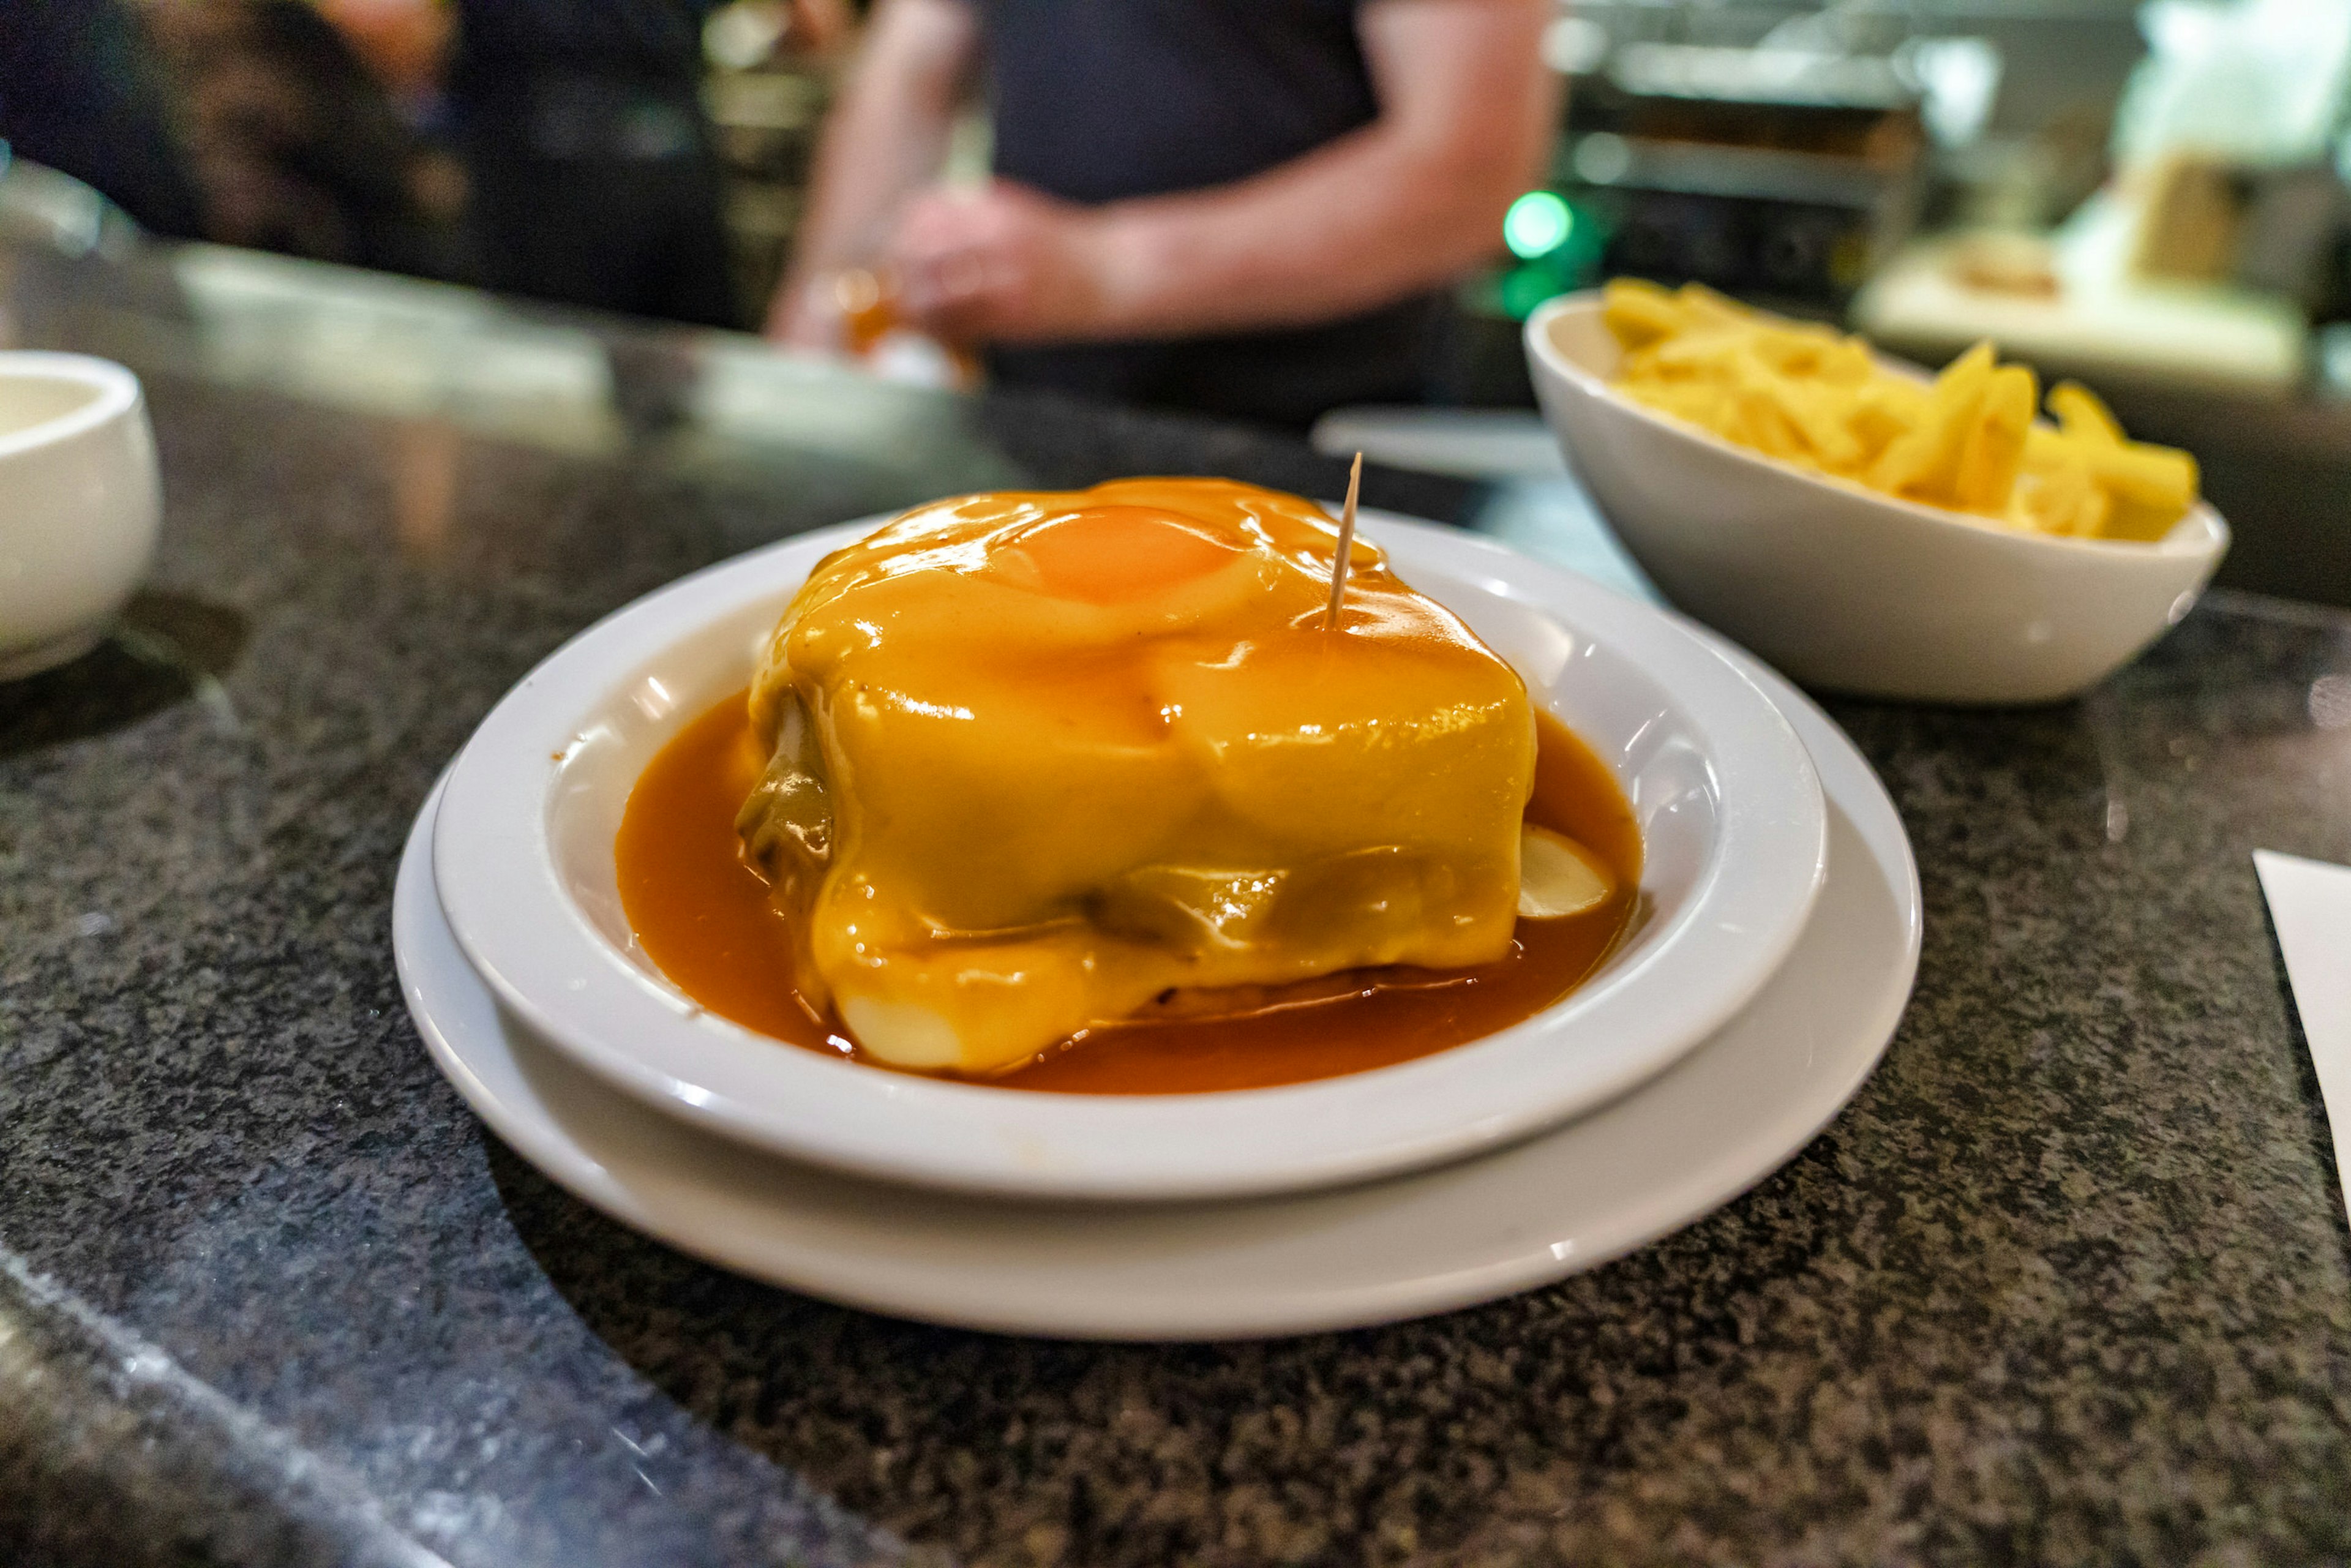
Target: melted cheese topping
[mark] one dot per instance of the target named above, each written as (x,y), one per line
(1038,758)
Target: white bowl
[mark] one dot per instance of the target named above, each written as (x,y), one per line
(1842,587)
(1729,810)
(79,504)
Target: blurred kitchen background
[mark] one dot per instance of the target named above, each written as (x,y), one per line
(2148,196)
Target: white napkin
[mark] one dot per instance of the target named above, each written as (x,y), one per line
(2310,905)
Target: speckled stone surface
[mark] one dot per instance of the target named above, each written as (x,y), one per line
(2066,1283)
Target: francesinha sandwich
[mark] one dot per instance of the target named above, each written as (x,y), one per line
(1040,759)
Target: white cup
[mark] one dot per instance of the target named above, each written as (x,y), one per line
(79,504)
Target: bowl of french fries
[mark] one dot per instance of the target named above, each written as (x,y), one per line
(1864,525)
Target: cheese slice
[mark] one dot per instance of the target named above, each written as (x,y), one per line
(1040,758)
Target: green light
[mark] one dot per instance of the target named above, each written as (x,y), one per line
(1537,225)
(1527,287)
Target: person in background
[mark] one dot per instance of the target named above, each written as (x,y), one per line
(296,144)
(81,92)
(405,44)
(1247,208)
(595,180)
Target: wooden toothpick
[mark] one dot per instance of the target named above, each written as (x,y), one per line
(1340,563)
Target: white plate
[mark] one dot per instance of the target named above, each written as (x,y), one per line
(1730,818)
(1715,1123)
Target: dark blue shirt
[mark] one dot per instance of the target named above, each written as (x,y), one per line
(655,40)
(1098,100)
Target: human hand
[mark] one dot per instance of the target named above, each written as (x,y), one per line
(1003,263)
(804,315)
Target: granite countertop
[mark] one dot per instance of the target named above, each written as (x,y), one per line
(2066,1283)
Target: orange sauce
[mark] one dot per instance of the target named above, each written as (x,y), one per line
(702,916)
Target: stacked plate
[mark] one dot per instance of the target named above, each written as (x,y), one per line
(1772,953)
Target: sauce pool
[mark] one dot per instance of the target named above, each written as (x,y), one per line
(702,916)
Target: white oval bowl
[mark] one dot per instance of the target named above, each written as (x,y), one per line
(1842,587)
(1730,813)
(79,504)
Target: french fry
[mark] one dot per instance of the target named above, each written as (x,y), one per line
(1639,313)
(2080,413)
(1814,408)
(1923,463)
(1808,396)
(1994,449)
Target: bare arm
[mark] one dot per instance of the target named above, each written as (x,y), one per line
(1466,118)
(884,141)
(1467,111)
